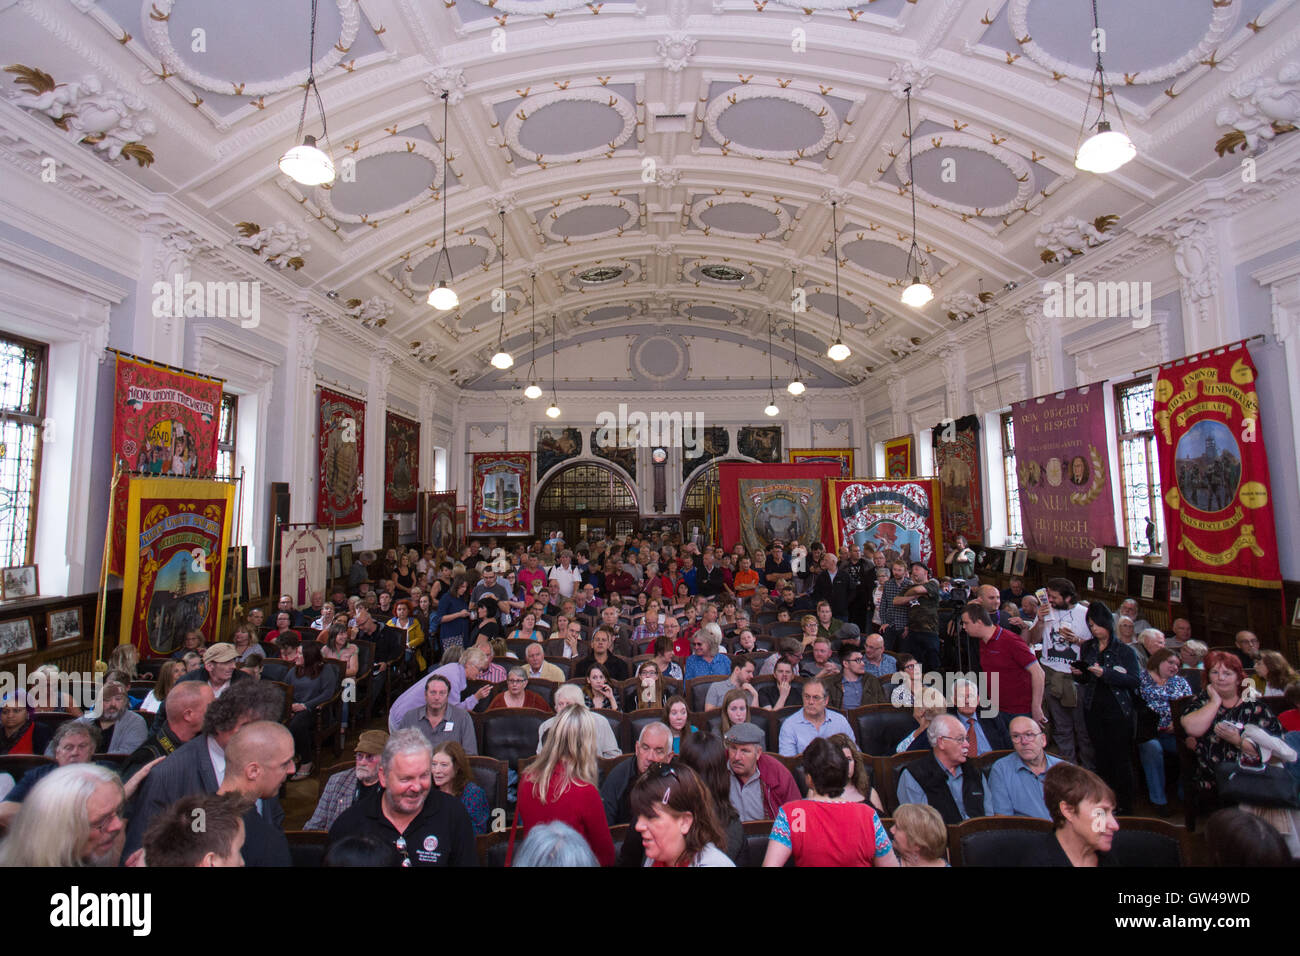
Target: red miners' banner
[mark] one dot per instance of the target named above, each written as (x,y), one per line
(900,457)
(1214,471)
(501,492)
(341,451)
(176,536)
(759,504)
(900,518)
(401,463)
(164,423)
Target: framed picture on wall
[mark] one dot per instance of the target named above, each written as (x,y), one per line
(1176,590)
(1295,615)
(336,567)
(16,636)
(1148,587)
(345,558)
(1116,568)
(18,582)
(1019,561)
(63,625)
(254,583)
(1008,557)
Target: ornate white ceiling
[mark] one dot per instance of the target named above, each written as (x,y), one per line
(662,165)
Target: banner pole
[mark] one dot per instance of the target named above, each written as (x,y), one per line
(275,555)
(101,611)
(237,592)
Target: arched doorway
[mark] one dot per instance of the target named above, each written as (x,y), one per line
(588,500)
(700,502)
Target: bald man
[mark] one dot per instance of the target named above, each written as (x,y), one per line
(258,759)
(1247,649)
(189,704)
(990,598)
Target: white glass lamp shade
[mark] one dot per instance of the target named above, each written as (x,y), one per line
(533,390)
(796,387)
(1104,151)
(553,411)
(307,164)
(771,411)
(838,351)
(443,297)
(917,294)
(503,360)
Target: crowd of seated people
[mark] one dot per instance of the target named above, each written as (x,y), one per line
(687,695)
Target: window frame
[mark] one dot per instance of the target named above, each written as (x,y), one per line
(1154,489)
(37,421)
(230,448)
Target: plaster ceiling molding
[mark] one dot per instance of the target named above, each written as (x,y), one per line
(821,299)
(602,273)
(881,253)
(903,75)
(1108,351)
(831,434)
(1015,179)
(740,218)
(711,311)
(960,306)
(900,346)
(610,313)
(721,272)
(604,217)
(449,78)
(663,249)
(280,244)
(1059,37)
(110,121)
(372,313)
(792,116)
(659,358)
(1263,108)
(1069,237)
(597,120)
(155,15)
(468,252)
(667,177)
(477,314)
(395,170)
(426,353)
(531,8)
(675,51)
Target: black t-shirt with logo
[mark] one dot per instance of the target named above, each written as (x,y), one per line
(442,834)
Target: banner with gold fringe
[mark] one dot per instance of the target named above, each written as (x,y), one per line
(1214,470)
(177,532)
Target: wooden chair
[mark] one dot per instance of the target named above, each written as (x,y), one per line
(1186,763)
(1144,841)
(490,774)
(17,765)
(888,770)
(492,847)
(697,688)
(328,723)
(994,841)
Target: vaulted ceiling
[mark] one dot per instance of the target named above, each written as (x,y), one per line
(662,166)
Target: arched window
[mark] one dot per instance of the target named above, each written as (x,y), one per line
(586,500)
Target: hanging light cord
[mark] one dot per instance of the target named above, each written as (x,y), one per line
(450,274)
(914,251)
(532,326)
(1098,77)
(771,378)
(310,86)
(553,350)
(501,334)
(835,254)
(794,327)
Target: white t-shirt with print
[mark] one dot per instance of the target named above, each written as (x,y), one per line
(1057,652)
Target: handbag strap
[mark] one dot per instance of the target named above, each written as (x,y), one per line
(510,848)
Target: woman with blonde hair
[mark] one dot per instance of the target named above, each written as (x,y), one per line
(560,784)
(931,706)
(920,836)
(124,658)
(73,817)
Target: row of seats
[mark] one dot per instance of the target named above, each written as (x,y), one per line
(983,841)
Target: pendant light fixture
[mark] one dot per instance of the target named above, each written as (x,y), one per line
(796,386)
(533,390)
(917,293)
(502,359)
(1106,150)
(554,410)
(442,296)
(305,162)
(838,351)
(771,411)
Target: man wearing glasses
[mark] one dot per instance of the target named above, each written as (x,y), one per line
(1016,781)
(425,825)
(940,779)
(801,728)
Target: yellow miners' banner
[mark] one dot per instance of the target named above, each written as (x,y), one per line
(177,532)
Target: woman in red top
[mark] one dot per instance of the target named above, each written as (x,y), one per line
(826,830)
(561,783)
(18,727)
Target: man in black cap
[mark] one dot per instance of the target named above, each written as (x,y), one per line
(760,783)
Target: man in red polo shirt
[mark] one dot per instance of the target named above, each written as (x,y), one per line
(1019,675)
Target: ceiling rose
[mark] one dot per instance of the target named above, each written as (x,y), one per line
(814,104)
(723,273)
(155,16)
(600,274)
(601,98)
(1222,19)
